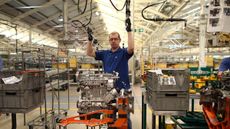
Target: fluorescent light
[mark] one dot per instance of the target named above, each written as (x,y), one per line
(13,53)
(60,18)
(58,26)
(97,13)
(29,7)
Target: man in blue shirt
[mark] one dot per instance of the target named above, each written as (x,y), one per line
(224,65)
(116,58)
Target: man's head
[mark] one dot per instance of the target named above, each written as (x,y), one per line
(114,40)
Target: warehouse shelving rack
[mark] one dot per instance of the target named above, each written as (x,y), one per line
(40,54)
(5,55)
(49,118)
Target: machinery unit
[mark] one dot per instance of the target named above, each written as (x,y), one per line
(167,91)
(99,97)
(109,119)
(94,88)
(216,103)
(219,16)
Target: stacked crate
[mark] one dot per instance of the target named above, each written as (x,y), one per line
(24,95)
(168,99)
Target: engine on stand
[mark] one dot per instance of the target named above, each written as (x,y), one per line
(94,88)
(216,103)
(99,96)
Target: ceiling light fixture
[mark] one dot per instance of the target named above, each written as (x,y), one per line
(60,18)
(30,7)
(97,13)
(58,26)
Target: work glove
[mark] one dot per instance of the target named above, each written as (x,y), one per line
(90,32)
(90,37)
(95,41)
(128,25)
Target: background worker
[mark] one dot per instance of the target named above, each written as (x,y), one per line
(224,65)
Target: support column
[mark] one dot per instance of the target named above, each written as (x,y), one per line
(30,38)
(202,38)
(65,17)
(134,59)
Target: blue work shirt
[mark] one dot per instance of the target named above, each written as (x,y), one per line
(116,62)
(225,64)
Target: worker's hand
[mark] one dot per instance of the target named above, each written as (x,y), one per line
(128,25)
(90,37)
(89,32)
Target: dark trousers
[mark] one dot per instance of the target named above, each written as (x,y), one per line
(129,121)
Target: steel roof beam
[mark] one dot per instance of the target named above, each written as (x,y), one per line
(4,1)
(75,18)
(175,3)
(142,26)
(71,9)
(163,24)
(195,35)
(155,12)
(51,2)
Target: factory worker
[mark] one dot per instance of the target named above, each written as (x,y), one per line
(116,58)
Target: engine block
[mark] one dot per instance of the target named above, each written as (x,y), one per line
(94,88)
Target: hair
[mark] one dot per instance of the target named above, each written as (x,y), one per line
(113,33)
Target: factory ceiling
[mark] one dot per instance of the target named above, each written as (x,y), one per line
(45,17)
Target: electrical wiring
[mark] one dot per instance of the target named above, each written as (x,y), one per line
(74,23)
(160,19)
(116,7)
(127,4)
(91,13)
(86,2)
(151,5)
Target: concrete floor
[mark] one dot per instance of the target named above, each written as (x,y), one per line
(5,121)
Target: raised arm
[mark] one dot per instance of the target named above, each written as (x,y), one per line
(90,50)
(130,43)
(130,36)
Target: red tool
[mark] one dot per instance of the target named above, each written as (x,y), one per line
(211,117)
(120,123)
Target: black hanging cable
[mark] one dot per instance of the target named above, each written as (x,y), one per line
(86,2)
(75,25)
(151,5)
(91,14)
(74,22)
(160,19)
(127,11)
(116,7)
